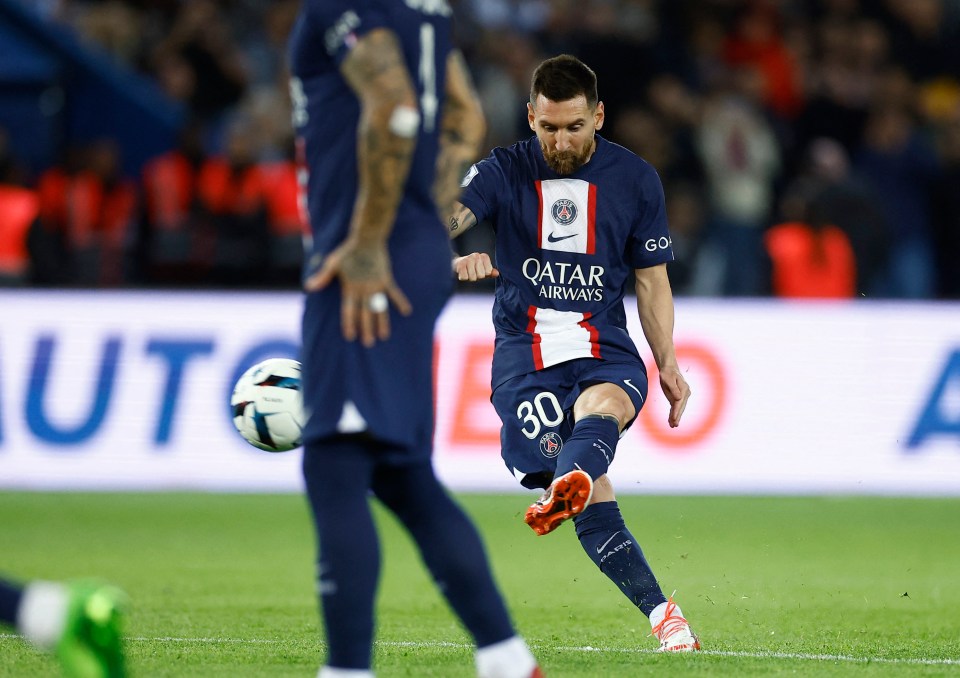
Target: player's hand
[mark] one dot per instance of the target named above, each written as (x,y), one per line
(473,267)
(367,286)
(677,390)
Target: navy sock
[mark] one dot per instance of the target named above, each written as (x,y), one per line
(450,547)
(608,542)
(337,474)
(591,446)
(10,596)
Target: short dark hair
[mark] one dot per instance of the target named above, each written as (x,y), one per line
(562,78)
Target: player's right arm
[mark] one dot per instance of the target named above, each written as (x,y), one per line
(461,219)
(476,265)
(386,139)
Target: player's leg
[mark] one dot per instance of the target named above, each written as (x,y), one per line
(452,550)
(600,412)
(10,596)
(534,411)
(79,622)
(608,542)
(605,400)
(337,472)
(600,527)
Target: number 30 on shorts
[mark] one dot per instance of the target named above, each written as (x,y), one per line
(544,411)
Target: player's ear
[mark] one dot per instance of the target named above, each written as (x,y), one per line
(598,116)
(531,116)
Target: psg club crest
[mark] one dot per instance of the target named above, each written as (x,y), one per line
(550,444)
(564,211)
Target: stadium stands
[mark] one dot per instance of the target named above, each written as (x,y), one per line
(729,100)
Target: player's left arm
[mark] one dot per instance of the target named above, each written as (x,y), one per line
(655,306)
(462,128)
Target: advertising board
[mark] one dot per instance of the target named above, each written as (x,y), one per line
(129,390)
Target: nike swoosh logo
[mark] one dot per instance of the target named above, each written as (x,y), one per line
(604,544)
(627,382)
(551,238)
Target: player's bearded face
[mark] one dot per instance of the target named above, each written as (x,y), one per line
(567,162)
(566,131)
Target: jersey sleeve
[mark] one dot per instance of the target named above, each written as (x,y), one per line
(343,22)
(483,185)
(650,242)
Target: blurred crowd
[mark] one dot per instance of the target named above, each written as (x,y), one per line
(807,147)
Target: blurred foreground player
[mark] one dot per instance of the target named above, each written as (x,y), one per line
(578,220)
(387,121)
(79,622)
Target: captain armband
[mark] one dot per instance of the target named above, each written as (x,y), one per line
(404,121)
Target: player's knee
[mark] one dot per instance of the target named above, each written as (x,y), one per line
(602,490)
(605,399)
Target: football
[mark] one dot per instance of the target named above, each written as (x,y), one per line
(267,405)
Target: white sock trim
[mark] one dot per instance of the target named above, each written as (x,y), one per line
(657,614)
(510,658)
(333,672)
(660,611)
(42,615)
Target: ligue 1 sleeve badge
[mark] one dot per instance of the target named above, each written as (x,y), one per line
(550,444)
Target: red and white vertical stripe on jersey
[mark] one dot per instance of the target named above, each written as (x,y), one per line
(567,215)
(559,336)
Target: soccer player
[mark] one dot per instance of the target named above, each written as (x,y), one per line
(387,122)
(79,622)
(578,219)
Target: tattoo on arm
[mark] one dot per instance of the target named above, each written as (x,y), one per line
(462,129)
(377,73)
(461,220)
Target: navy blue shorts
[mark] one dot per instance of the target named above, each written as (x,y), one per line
(537,411)
(384,392)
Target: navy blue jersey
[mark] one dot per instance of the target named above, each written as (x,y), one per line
(326,111)
(566,248)
(386,390)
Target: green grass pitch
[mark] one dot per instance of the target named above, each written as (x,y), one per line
(221,585)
